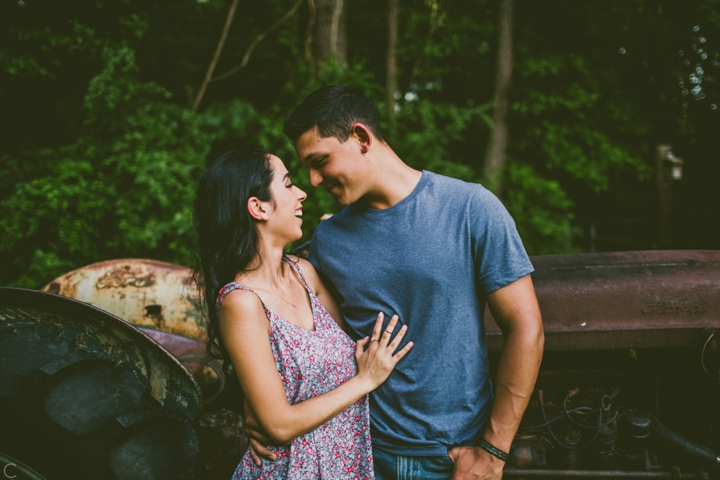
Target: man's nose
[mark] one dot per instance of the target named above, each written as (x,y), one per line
(315,177)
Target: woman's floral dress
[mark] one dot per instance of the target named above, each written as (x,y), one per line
(311,363)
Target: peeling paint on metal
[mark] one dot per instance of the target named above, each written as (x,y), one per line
(145,293)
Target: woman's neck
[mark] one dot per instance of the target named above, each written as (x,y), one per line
(267,270)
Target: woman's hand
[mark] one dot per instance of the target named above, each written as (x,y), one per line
(376,363)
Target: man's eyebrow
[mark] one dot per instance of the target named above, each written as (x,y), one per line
(313,157)
(308,157)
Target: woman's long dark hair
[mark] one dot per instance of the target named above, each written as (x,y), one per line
(227,240)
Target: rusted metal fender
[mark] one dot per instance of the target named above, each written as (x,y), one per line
(146,293)
(206,371)
(44,332)
(158,297)
(644,299)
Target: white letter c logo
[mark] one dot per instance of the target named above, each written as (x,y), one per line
(5,470)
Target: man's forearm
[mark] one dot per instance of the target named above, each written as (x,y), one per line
(517,372)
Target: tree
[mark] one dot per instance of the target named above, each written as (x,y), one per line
(329,38)
(391,74)
(122,188)
(495,154)
(108,166)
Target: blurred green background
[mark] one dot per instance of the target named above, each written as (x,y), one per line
(104,136)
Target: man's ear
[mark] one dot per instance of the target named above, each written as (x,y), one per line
(257,209)
(364,136)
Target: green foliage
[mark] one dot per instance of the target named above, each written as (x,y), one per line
(426,131)
(570,128)
(123,189)
(541,209)
(101,152)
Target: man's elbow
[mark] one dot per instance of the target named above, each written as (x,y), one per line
(536,333)
(540,339)
(530,335)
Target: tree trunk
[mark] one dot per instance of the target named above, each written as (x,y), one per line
(497,144)
(391,80)
(330,31)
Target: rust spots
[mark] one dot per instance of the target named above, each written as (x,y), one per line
(64,286)
(126,276)
(652,299)
(154,313)
(144,293)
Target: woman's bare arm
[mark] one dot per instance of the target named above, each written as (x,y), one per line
(244,329)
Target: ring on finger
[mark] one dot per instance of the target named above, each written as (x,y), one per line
(373,339)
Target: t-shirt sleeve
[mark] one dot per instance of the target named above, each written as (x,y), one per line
(498,252)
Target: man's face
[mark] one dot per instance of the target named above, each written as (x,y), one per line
(339,167)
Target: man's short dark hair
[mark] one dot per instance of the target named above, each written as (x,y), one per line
(333,109)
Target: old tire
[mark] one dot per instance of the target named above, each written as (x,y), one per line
(85,396)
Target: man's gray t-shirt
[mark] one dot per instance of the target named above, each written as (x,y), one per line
(431,259)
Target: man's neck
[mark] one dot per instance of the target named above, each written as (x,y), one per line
(395,180)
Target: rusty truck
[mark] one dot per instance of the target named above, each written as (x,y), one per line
(105,374)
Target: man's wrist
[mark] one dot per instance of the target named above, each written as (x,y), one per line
(493,450)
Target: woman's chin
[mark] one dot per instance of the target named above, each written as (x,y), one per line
(298,236)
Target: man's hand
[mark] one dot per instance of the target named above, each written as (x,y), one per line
(257,439)
(258,451)
(475,463)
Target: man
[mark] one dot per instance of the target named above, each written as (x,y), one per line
(432,250)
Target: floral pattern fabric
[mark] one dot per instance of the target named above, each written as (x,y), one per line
(310,363)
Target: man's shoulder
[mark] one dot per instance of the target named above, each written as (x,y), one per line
(455,188)
(333,223)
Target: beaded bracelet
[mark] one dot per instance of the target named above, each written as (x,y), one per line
(493,450)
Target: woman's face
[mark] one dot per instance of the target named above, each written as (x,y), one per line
(286,209)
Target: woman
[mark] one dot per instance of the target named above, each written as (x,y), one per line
(278,326)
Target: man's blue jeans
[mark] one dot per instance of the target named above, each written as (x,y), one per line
(398,467)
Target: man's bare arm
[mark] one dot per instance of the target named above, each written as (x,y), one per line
(516,311)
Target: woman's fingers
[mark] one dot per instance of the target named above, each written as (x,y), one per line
(389,329)
(377,330)
(398,338)
(360,346)
(381,338)
(399,355)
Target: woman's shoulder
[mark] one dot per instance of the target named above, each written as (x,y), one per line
(306,269)
(242,303)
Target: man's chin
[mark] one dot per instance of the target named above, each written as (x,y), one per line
(337,195)
(341,200)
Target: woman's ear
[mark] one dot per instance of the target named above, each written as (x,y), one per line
(257,209)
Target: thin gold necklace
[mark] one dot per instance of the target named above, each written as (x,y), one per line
(276,294)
